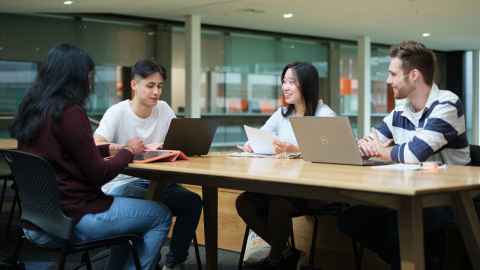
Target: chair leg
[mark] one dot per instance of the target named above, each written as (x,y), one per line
(135,258)
(2,195)
(12,262)
(244,247)
(197,252)
(61,261)
(314,240)
(357,254)
(16,201)
(292,236)
(86,260)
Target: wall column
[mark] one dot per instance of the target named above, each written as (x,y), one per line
(192,66)
(364,85)
(476,97)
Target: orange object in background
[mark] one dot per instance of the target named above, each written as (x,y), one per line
(243,105)
(266,106)
(345,86)
(237,105)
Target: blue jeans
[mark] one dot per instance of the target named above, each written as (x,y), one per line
(125,215)
(184,204)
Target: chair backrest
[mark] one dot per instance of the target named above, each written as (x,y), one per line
(475,155)
(37,188)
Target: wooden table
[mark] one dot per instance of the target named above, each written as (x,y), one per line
(8,144)
(406,191)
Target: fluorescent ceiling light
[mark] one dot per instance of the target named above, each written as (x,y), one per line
(287,15)
(68,2)
(425,34)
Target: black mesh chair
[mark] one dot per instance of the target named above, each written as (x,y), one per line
(475,155)
(39,198)
(6,177)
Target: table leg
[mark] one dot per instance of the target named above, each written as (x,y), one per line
(468,224)
(210,214)
(410,228)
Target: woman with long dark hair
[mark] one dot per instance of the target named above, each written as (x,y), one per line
(271,216)
(51,122)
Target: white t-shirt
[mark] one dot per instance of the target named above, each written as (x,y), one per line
(281,127)
(120,124)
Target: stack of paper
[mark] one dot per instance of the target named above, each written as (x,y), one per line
(261,141)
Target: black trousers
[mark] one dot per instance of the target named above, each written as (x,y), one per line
(271,217)
(376,228)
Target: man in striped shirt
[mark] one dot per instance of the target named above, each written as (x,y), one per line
(427,125)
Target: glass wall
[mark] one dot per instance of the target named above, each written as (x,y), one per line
(240,82)
(241,76)
(15,78)
(348,83)
(25,41)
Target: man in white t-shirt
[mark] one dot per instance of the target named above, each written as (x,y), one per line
(147,118)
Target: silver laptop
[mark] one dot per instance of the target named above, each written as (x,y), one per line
(328,140)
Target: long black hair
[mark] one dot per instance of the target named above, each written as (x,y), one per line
(63,80)
(307,77)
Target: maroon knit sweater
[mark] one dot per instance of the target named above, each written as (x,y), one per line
(79,165)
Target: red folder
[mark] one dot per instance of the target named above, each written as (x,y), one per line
(159,156)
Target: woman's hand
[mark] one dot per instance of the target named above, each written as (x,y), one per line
(135,146)
(284,147)
(113,148)
(245,148)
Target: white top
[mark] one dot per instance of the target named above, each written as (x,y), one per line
(281,127)
(120,124)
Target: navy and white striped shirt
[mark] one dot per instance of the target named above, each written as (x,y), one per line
(437,133)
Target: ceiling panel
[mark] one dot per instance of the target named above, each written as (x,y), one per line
(453,24)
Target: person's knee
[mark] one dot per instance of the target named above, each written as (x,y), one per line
(243,204)
(162,214)
(196,203)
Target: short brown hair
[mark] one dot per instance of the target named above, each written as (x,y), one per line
(415,55)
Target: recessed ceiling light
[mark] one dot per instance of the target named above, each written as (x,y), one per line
(425,34)
(287,15)
(68,2)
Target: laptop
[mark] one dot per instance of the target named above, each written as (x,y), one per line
(192,136)
(328,140)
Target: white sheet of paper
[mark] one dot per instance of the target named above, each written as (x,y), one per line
(248,154)
(398,167)
(408,167)
(261,141)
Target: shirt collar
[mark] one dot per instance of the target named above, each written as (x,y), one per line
(408,111)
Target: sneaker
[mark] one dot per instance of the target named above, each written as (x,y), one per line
(180,266)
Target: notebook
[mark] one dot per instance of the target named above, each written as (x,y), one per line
(159,155)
